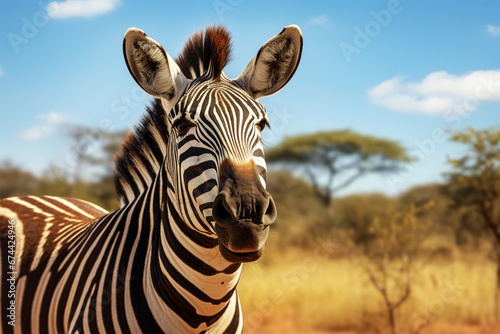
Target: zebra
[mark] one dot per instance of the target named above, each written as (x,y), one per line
(191,183)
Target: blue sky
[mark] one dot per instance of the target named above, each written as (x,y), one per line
(402,70)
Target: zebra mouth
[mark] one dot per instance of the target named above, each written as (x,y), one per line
(240,256)
(241,242)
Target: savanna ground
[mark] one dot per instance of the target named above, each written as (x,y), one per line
(292,291)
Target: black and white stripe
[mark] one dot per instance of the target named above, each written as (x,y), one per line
(155,265)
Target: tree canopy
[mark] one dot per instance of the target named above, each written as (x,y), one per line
(475,181)
(15,181)
(342,155)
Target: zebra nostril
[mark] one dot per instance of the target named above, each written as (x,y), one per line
(271,212)
(220,211)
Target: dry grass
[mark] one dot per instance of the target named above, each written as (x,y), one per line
(311,293)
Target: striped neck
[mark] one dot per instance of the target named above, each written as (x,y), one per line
(185,276)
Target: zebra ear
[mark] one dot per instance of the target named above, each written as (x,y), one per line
(152,68)
(274,64)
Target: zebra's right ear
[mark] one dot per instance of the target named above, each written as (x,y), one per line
(152,68)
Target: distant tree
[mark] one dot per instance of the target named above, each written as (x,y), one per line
(109,143)
(340,156)
(301,217)
(388,256)
(105,187)
(52,184)
(15,182)
(89,147)
(475,181)
(82,140)
(355,213)
(93,148)
(460,222)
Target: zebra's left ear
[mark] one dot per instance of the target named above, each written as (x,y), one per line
(152,68)
(274,64)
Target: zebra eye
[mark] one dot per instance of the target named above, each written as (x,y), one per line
(262,124)
(182,126)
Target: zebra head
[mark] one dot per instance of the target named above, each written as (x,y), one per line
(215,159)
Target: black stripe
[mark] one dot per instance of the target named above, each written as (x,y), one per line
(233,326)
(186,256)
(197,170)
(87,266)
(108,281)
(193,152)
(204,188)
(140,305)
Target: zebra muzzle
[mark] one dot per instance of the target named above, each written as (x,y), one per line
(243,211)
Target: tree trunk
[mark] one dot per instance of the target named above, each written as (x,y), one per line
(392,321)
(327,199)
(497,285)
(73,190)
(488,211)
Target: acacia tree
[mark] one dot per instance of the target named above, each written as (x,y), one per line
(475,181)
(111,142)
(96,148)
(89,146)
(341,156)
(388,257)
(81,140)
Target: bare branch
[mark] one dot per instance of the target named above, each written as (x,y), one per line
(406,294)
(374,281)
(350,180)
(326,195)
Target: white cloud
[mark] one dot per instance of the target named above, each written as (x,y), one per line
(37,132)
(53,118)
(321,21)
(40,131)
(438,92)
(493,30)
(80,8)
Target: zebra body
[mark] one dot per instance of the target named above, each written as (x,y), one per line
(191,182)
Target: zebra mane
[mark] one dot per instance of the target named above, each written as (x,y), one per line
(142,151)
(206,54)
